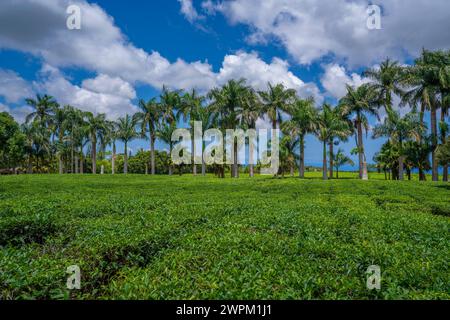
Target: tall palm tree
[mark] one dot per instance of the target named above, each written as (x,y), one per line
(360,102)
(44,107)
(329,125)
(126,132)
(59,121)
(429,80)
(96,126)
(204,115)
(148,119)
(227,105)
(276,100)
(110,138)
(191,103)
(387,81)
(303,122)
(247,118)
(170,101)
(400,130)
(165,132)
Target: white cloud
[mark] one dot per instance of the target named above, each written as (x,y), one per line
(112,104)
(188,10)
(336,78)
(106,84)
(259,74)
(12,87)
(39,27)
(311,30)
(18,113)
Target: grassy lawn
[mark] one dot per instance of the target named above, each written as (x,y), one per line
(187,237)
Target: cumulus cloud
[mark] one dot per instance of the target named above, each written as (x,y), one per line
(113,104)
(335,79)
(311,30)
(259,74)
(12,87)
(110,85)
(39,27)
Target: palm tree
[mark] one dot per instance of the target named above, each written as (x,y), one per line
(387,81)
(360,101)
(227,105)
(204,115)
(96,126)
(126,132)
(44,107)
(191,103)
(429,79)
(110,138)
(148,119)
(276,100)
(170,101)
(59,121)
(329,125)
(303,122)
(37,144)
(387,159)
(247,118)
(339,160)
(400,130)
(165,132)
(288,157)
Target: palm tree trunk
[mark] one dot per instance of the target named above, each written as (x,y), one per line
(60,163)
(94,156)
(362,162)
(331,159)
(203,161)
(76,163)
(302,156)
(400,160)
(444,140)
(125,159)
(251,158)
(194,166)
(434,165)
(400,168)
(81,162)
(292,170)
(170,164)
(324,169)
(152,152)
(113,159)
(72,167)
(234,166)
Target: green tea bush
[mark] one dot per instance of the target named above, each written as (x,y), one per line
(144,237)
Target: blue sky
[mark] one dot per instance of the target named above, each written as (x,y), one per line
(128,49)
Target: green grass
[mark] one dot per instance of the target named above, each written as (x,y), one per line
(142,237)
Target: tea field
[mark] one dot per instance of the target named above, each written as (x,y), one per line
(143,237)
